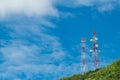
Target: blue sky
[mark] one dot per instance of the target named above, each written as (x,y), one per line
(40,40)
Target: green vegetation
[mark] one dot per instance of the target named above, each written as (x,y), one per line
(111,72)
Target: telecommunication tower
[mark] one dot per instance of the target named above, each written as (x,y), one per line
(83,57)
(94,51)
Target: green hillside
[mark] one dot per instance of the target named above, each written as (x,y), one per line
(111,72)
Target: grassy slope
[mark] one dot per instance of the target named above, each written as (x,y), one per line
(111,72)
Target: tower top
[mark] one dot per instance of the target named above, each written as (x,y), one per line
(83,39)
(94,32)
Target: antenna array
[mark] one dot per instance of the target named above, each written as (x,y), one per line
(94,51)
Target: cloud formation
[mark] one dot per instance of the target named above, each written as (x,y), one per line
(42,8)
(100,5)
(29,47)
(28,7)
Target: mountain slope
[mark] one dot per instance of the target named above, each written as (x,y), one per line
(111,72)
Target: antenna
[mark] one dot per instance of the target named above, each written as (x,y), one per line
(94,51)
(83,57)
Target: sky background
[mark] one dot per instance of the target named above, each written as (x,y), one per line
(40,39)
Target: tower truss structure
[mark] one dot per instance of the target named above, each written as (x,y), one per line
(83,57)
(94,51)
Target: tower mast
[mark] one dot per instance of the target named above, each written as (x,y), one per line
(94,51)
(83,57)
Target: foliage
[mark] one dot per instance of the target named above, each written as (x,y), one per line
(111,72)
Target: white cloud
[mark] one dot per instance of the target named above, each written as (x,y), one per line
(29,39)
(100,5)
(30,47)
(28,7)
(40,71)
(107,7)
(42,8)
(85,2)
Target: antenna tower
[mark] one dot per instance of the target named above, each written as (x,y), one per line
(83,57)
(94,51)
